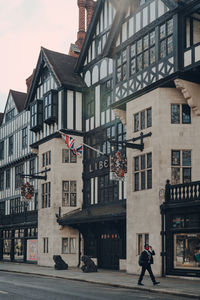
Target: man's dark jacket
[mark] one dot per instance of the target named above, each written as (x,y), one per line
(147,258)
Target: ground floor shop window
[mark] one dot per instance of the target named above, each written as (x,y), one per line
(19,249)
(187,250)
(6,249)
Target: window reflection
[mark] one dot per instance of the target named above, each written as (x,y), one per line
(187,250)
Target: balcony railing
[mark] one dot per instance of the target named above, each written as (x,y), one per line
(14,219)
(182,192)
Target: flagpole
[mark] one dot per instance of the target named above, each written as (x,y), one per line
(86,145)
(93,148)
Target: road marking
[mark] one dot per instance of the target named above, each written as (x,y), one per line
(2,292)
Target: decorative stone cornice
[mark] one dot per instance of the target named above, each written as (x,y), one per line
(121,114)
(191,93)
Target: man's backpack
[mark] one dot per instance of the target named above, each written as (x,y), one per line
(140,261)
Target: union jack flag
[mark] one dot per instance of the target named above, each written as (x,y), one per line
(69,141)
(78,150)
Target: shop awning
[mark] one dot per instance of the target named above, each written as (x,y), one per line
(95,213)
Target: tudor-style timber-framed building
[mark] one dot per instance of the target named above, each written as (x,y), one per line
(137,74)
(140,61)
(18,221)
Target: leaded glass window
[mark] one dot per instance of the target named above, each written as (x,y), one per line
(175,113)
(142,53)
(180,113)
(69,193)
(121,66)
(143,172)
(181,166)
(136,122)
(166,38)
(143,119)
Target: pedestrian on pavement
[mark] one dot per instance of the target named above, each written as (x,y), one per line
(146,260)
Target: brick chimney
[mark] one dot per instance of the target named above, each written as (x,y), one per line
(85,6)
(82,29)
(90,6)
(29,80)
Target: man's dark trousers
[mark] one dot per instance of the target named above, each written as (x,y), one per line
(148,268)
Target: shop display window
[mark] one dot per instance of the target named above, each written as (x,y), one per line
(6,248)
(187,251)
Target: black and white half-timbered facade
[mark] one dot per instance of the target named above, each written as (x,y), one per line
(18,219)
(140,62)
(135,88)
(55,105)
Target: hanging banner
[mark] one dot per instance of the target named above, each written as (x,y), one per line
(32,250)
(118,166)
(27,190)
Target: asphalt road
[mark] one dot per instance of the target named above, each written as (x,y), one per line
(27,287)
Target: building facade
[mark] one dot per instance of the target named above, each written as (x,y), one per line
(141,67)
(135,89)
(18,219)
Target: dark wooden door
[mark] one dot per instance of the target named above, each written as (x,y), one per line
(109,252)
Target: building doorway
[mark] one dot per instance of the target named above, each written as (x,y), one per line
(109,251)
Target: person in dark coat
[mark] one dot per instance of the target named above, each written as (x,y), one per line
(146,261)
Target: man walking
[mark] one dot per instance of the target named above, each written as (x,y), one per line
(146,259)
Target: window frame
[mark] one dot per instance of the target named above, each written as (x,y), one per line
(46,195)
(1,150)
(180,166)
(8,178)
(1,180)
(10,145)
(69,196)
(142,172)
(24,138)
(46,158)
(18,180)
(179,113)
(137,119)
(45,245)
(68,156)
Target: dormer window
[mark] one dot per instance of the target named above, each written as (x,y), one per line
(50,107)
(10,115)
(36,116)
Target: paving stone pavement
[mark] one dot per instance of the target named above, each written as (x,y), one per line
(185,287)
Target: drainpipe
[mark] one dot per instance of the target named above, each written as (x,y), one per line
(163,240)
(79,250)
(163,233)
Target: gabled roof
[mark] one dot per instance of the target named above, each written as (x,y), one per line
(19,98)
(61,66)
(1,118)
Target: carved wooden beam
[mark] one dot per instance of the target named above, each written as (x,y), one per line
(121,114)
(191,93)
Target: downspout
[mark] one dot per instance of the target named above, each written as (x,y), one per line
(163,232)
(163,254)
(79,249)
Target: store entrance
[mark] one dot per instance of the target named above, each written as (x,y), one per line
(109,251)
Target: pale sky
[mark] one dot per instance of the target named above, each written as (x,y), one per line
(25,26)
